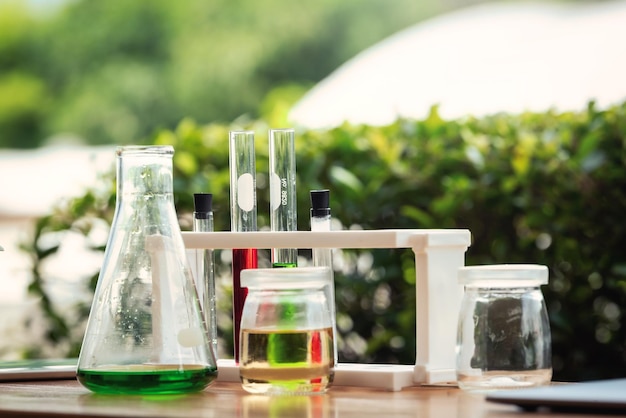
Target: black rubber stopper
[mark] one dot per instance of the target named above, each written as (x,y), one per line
(320,203)
(203,204)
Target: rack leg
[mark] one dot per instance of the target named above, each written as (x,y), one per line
(438,301)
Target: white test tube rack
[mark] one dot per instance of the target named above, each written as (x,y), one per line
(438,255)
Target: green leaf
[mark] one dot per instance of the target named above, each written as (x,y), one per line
(344,177)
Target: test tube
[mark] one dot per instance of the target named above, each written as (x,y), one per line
(320,222)
(283,211)
(243,217)
(322,257)
(205,268)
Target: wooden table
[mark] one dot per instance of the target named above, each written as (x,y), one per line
(67,398)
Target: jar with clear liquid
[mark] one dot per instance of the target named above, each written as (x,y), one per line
(287,334)
(503,338)
(146,332)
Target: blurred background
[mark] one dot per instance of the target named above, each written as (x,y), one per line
(110,72)
(79,77)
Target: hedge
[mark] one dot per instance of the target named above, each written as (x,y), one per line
(546,188)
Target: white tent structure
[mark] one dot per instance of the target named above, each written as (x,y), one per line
(33,181)
(497,57)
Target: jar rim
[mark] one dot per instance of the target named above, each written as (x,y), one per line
(147,149)
(286,278)
(504,275)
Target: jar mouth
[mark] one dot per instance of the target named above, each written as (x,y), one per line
(496,285)
(504,275)
(286,278)
(144,149)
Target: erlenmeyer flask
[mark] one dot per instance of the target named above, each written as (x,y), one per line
(146,333)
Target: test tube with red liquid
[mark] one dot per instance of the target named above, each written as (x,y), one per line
(243,216)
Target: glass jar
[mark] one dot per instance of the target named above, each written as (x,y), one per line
(146,333)
(287,333)
(503,338)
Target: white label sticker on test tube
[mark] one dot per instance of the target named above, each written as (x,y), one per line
(275,192)
(245,192)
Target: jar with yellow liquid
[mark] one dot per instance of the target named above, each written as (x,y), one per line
(287,333)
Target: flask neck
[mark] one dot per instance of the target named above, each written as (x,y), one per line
(144,171)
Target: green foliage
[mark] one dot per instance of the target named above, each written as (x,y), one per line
(23,93)
(533,188)
(79,216)
(116,71)
(22,104)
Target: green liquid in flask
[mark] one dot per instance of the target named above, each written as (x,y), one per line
(147,379)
